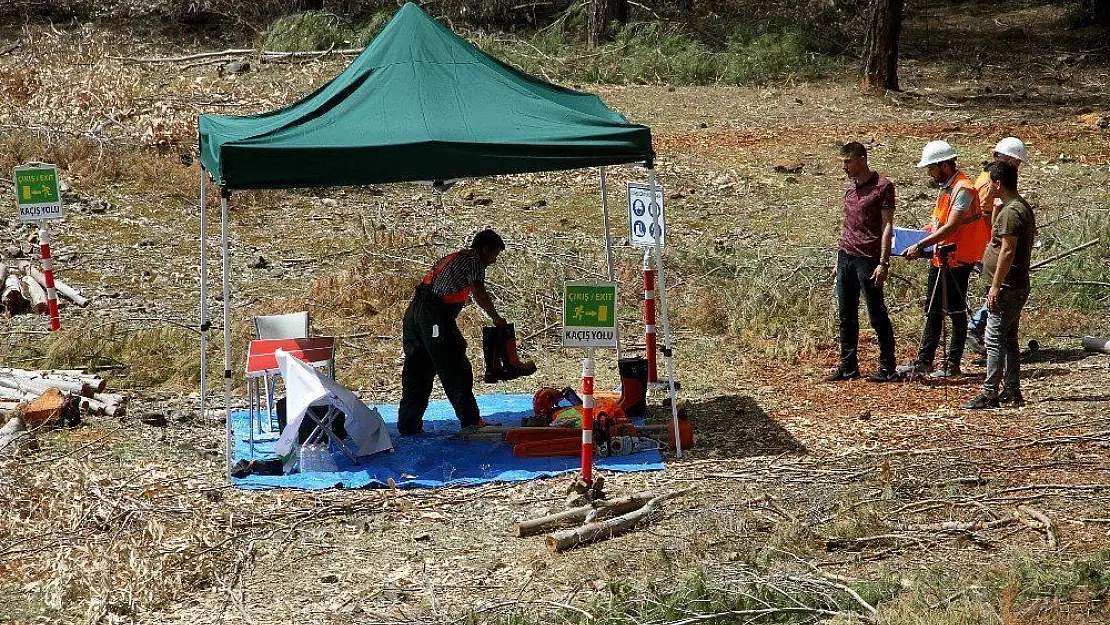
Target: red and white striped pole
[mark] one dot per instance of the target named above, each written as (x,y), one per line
(588,370)
(48,272)
(649,319)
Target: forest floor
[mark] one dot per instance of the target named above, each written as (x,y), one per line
(801,489)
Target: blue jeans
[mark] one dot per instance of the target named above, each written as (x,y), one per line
(853,276)
(1003,352)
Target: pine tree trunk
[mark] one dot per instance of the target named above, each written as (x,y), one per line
(1096,11)
(880,56)
(601,12)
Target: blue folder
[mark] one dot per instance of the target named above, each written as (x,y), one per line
(905,237)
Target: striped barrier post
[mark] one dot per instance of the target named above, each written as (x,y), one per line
(588,370)
(48,272)
(650,350)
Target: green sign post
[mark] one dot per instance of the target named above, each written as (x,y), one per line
(590,315)
(36,193)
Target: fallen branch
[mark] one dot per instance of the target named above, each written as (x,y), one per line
(837,585)
(593,532)
(1065,254)
(1044,524)
(265,54)
(620,506)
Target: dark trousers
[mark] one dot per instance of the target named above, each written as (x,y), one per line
(434,346)
(950,301)
(853,276)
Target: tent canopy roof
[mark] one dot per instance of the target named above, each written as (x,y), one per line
(419,103)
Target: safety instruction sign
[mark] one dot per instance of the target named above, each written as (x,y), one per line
(590,315)
(645,221)
(36,193)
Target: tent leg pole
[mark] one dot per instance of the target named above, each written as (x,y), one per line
(661,290)
(225,194)
(203,294)
(609,250)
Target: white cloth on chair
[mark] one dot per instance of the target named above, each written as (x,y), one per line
(304,387)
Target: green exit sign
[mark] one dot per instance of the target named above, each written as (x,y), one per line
(37,196)
(590,315)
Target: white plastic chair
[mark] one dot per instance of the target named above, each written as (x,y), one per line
(289,326)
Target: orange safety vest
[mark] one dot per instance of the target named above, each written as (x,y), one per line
(986,196)
(458,297)
(971,236)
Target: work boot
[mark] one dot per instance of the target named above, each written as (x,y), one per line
(882,376)
(840,375)
(491,353)
(982,402)
(949,371)
(912,371)
(512,366)
(634,374)
(1011,398)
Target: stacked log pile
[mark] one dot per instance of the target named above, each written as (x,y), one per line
(42,396)
(23,290)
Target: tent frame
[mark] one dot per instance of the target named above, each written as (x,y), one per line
(205,325)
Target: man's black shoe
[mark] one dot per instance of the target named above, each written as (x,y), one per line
(1011,398)
(242,468)
(882,375)
(982,402)
(840,375)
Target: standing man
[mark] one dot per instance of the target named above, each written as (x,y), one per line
(432,341)
(862,263)
(959,235)
(1006,269)
(1009,150)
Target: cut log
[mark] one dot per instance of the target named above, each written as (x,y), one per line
(45,410)
(62,288)
(36,294)
(14,438)
(1096,344)
(592,532)
(579,514)
(93,406)
(16,394)
(110,398)
(95,382)
(41,385)
(14,300)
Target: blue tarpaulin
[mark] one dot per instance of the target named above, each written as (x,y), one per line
(434,458)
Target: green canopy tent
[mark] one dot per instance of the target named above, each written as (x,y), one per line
(420,103)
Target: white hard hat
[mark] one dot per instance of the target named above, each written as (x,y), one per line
(936,152)
(1012,146)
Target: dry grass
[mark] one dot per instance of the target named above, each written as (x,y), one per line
(138,527)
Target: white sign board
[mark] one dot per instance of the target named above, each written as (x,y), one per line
(589,315)
(644,221)
(36,193)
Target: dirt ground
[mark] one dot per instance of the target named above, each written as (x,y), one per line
(131,520)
